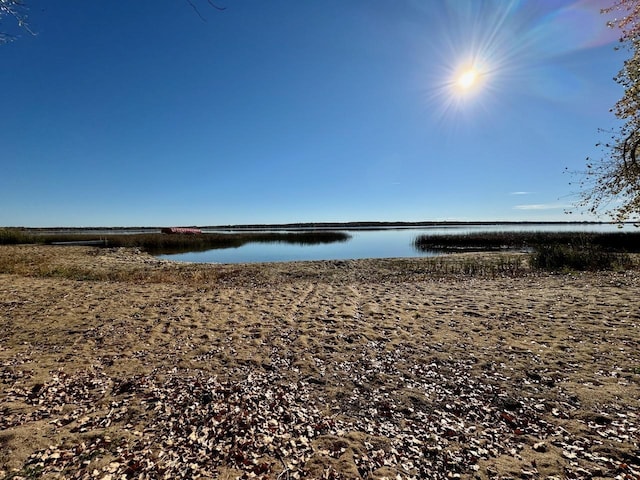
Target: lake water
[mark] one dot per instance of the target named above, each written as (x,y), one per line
(385,243)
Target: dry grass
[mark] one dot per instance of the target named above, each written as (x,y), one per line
(133,265)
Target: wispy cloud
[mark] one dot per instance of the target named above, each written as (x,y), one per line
(541,206)
(521,193)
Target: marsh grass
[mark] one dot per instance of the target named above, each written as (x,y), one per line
(14,236)
(495,241)
(159,243)
(549,250)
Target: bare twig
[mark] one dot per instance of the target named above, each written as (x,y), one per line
(195,8)
(216,6)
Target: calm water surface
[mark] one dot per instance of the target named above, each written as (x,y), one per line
(387,243)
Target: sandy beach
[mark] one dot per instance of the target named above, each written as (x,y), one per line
(114,364)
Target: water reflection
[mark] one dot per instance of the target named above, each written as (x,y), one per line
(173,245)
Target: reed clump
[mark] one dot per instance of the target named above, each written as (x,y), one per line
(14,236)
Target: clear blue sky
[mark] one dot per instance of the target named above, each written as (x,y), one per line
(142,114)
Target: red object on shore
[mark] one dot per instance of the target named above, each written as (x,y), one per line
(187,230)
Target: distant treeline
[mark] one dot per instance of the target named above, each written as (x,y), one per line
(157,243)
(301,226)
(377,225)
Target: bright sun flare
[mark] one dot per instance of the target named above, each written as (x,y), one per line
(468,79)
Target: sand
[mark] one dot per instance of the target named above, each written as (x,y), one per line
(116,365)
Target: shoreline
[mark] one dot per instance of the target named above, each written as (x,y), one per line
(338,369)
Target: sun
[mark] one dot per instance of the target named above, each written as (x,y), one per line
(468,79)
